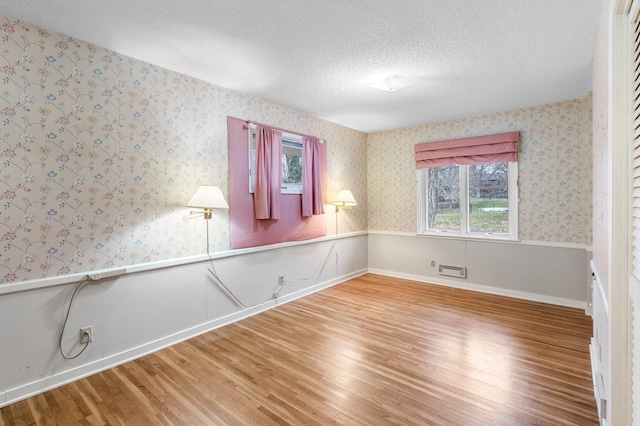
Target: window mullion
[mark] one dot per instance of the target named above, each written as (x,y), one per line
(464,199)
(422,187)
(513,199)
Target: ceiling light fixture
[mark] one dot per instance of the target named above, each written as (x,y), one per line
(393,83)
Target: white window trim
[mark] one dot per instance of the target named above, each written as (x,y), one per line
(421,188)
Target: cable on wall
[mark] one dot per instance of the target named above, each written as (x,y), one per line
(64,324)
(315,275)
(213,272)
(318,270)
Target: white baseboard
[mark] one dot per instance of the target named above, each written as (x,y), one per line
(39,386)
(485,289)
(313,289)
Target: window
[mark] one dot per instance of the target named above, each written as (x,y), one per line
(300,216)
(472,200)
(291,166)
(291,162)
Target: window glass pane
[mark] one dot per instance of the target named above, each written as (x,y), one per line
(443,198)
(291,162)
(489,198)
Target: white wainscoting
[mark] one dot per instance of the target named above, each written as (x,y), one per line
(600,365)
(144,311)
(550,273)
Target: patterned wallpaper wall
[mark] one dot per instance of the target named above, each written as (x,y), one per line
(100,153)
(554,169)
(601,172)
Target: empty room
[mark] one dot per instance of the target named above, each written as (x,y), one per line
(357,213)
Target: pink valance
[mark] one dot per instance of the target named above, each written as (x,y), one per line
(502,147)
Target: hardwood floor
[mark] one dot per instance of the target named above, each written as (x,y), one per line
(371,351)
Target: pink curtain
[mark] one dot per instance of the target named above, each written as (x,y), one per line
(244,229)
(497,148)
(266,194)
(311,181)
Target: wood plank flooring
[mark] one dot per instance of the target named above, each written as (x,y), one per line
(371,351)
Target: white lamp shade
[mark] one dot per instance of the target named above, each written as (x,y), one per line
(208,197)
(345,199)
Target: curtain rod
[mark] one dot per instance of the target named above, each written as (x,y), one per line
(282,130)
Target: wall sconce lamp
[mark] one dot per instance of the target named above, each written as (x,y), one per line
(207,197)
(344,200)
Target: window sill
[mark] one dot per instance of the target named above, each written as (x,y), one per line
(471,237)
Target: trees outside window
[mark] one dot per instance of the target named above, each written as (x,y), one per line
(478,200)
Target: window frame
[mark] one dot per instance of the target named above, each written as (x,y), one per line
(465,232)
(289,138)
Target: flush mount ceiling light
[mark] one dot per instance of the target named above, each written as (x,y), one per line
(393,83)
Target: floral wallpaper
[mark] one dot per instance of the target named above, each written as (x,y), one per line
(100,153)
(601,171)
(554,169)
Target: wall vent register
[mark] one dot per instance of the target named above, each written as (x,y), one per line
(453,271)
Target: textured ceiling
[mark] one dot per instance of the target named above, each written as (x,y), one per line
(462,57)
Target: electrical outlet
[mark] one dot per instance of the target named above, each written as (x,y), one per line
(281,280)
(86,334)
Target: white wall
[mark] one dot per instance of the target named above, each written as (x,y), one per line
(546,272)
(140,312)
